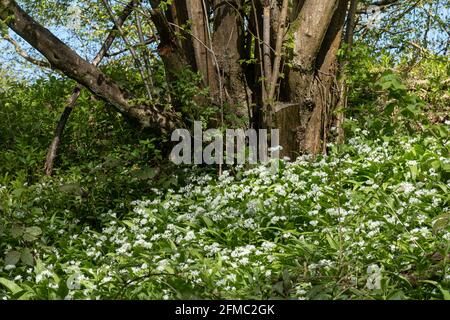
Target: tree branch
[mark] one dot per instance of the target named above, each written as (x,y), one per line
(132,51)
(24,54)
(54,146)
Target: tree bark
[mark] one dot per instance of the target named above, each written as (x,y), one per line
(201,40)
(175,54)
(325,86)
(317,34)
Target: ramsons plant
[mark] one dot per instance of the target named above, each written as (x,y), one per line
(370,221)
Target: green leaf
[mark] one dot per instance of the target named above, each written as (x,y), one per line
(71,188)
(414,172)
(145,173)
(29,237)
(34,231)
(17,231)
(445,293)
(332,242)
(26,257)
(443,132)
(128,223)
(12,257)
(208,221)
(413,109)
(389,109)
(62,289)
(446,167)
(436,164)
(11,286)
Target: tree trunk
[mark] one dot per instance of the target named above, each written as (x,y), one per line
(300,104)
(201,40)
(317,30)
(325,86)
(170,48)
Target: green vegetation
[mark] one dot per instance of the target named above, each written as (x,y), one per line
(368,221)
(359,207)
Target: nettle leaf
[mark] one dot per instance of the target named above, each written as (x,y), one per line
(12,258)
(32,233)
(17,231)
(26,257)
(35,231)
(29,237)
(71,188)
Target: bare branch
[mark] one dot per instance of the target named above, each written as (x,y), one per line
(266,45)
(24,54)
(136,46)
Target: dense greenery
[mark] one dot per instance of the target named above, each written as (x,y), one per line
(370,220)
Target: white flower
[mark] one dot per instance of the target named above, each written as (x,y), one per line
(373,269)
(406,188)
(314,223)
(374,282)
(275,149)
(411,163)
(280,190)
(268,245)
(374,279)
(190,235)
(348,171)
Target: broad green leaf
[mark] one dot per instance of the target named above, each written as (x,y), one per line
(17,231)
(10,285)
(29,237)
(26,257)
(12,257)
(441,222)
(71,188)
